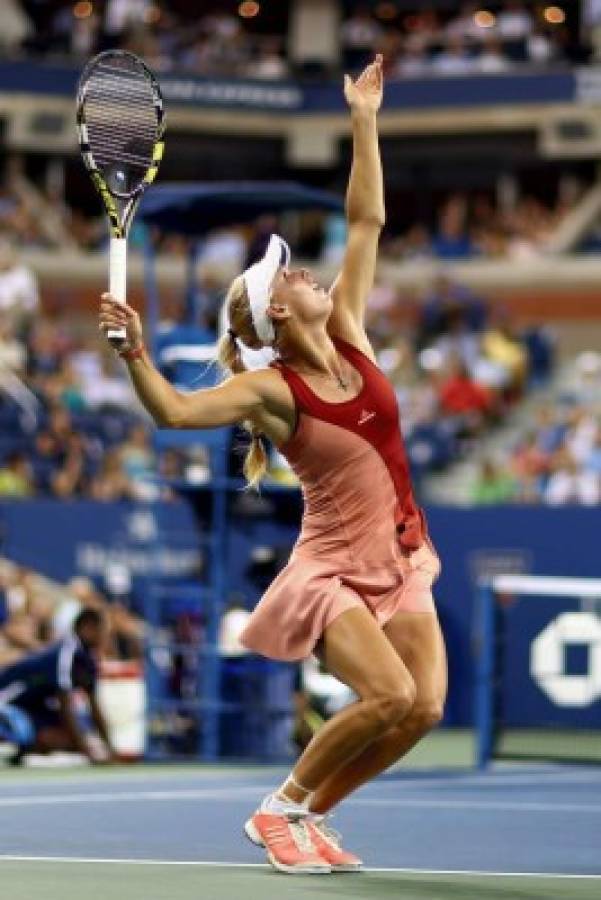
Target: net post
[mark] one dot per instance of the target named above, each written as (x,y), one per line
(484,688)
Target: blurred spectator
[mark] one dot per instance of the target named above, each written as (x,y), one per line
(591,22)
(455,59)
(414,62)
(125,630)
(592,461)
(139,463)
(452,240)
(540,48)
(359,34)
(493,485)
(18,285)
(219,43)
(16,477)
(121,15)
(270,65)
(463,25)
(550,431)
(530,462)
(24,621)
(110,483)
(232,624)
(172,465)
(569,484)
(491,59)
(70,479)
(502,347)
(515,21)
(461,395)
(15,25)
(441,305)
(581,434)
(13,352)
(137,455)
(108,388)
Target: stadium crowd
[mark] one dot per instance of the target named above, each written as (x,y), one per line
(35,611)
(73,428)
(469,226)
(557,458)
(69,421)
(415,42)
(34,210)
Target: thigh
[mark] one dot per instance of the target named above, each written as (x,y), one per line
(417,639)
(357,652)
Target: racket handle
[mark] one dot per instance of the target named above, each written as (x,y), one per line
(117,282)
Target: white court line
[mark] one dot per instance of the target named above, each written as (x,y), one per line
(494,779)
(49,777)
(409,782)
(239,865)
(479,804)
(130,797)
(227,795)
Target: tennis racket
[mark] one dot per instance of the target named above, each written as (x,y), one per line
(120,125)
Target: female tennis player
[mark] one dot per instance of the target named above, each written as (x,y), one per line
(357,590)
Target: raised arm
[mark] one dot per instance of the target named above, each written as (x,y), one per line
(365,210)
(237,399)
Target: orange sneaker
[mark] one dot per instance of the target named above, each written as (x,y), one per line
(287,842)
(327,843)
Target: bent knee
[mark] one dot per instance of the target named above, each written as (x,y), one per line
(394,705)
(426,715)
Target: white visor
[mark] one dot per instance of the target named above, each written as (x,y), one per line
(258,280)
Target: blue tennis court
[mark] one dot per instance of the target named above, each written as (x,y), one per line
(155,832)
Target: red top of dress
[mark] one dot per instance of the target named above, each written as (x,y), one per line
(354,474)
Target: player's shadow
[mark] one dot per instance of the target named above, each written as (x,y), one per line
(410,887)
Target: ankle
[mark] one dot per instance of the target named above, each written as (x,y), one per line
(294,792)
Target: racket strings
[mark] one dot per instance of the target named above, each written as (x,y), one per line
(121,119)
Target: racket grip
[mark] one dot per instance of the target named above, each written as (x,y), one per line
(118,282)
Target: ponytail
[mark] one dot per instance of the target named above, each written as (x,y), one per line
(229,357)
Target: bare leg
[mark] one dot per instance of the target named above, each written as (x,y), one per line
(417,639)
(357,652)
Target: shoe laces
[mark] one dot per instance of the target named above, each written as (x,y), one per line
(300,835)
(326,830)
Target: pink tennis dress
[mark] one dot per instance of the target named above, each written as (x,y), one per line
(363,540)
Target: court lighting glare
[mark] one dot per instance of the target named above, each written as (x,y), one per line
(483,18)
(554,15)
(83,9)
(249,9)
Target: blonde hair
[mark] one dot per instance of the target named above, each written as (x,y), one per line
(229,357)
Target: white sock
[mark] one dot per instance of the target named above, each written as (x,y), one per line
(279,806)
(306,803)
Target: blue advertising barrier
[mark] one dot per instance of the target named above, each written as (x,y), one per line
(85,538)
(63,539)
(560,86)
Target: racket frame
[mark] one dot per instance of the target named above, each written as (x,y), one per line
(120,207)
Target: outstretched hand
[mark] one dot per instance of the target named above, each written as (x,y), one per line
(365,94)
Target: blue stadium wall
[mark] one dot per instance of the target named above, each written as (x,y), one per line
(166,540)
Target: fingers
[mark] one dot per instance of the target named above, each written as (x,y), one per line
(109,303)
(372,75)
(113,314)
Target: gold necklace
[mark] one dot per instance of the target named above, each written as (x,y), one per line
(343,384)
